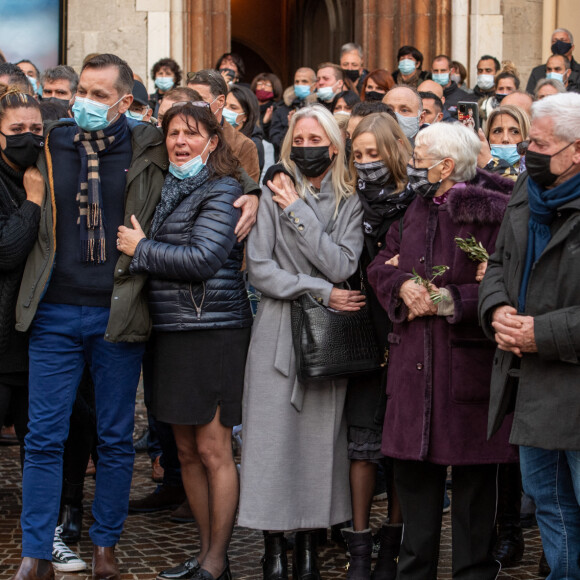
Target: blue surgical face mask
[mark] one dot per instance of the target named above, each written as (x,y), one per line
(441,78)
(508,153)
(485,82)
(92,115)
(133,115)
(164,83)
(555,76)
(407,66)
(35,86)
(231,116)
(325,93)
(301,91)
(191,168)
(409,125)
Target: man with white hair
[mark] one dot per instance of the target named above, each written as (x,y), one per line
(562,43)
(529,304)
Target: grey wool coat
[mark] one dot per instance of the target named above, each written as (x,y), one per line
(294,460)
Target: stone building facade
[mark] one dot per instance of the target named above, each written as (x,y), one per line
(280,35)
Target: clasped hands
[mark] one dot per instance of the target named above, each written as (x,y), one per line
(513,332)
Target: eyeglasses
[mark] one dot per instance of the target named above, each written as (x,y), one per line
(192,103)
(522,147)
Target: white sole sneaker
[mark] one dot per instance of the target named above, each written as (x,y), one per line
(63,558)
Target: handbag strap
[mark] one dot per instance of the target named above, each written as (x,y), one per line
(327,230)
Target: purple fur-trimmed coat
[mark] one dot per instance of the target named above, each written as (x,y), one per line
(440,367)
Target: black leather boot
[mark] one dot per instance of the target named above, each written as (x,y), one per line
(275,560)
(71,512)
(304,557)
(390,538)
(360,546)
(509,547)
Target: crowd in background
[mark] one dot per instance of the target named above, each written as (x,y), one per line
(186,236)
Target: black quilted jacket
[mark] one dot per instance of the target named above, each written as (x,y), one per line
(194,263)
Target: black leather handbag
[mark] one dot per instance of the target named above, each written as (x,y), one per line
(331,343)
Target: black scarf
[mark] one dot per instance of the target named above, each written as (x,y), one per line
(380,203)
(173,193)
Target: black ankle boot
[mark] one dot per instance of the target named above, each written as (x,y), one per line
(360,546)
(509,547)
(390,538)
(275,560)
(304,557)
(71,512)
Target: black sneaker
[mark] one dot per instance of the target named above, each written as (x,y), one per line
(63,558)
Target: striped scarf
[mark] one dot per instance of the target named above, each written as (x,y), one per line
(89,197)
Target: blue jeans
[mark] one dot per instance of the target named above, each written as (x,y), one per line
(63,339)
(552,479)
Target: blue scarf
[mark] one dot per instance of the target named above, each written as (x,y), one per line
(544,204)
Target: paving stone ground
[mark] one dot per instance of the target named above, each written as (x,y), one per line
(151,543)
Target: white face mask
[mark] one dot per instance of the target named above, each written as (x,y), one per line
(485,82)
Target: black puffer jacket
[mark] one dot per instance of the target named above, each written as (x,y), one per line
(194,263)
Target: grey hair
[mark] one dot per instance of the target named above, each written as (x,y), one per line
(567,32)
(558,85)
(62,72)
(455,141)
(350,46)
(564,111)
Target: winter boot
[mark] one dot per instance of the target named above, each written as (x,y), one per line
(360,546)
(386,566)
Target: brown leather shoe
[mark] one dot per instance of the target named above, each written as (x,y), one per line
(156,470)
(104,564)
(34,569)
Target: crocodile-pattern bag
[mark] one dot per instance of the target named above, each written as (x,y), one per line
(331,343)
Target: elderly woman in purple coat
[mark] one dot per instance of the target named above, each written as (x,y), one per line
(440,361)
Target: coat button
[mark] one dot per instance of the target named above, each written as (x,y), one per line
(422,259)
(379,244)
(300,227)
(291,214)
(296,221)
(419,366)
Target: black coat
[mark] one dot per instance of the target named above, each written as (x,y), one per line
(546,397)
(194,263)
(19,219)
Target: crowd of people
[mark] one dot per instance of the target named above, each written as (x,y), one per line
(139,230)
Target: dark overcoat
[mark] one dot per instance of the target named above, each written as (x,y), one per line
(544,387)
(440,367)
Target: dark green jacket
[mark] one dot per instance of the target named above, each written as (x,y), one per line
(129,318)
(543,388)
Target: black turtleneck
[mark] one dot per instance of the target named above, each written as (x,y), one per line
(19,219)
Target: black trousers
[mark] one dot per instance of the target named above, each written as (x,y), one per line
(420,486)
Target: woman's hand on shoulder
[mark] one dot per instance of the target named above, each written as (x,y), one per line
(417,300)
(127,238)
(34,185)
(283,190)
(347,300)
(394,261)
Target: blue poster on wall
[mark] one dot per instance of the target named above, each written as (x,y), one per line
(32,30)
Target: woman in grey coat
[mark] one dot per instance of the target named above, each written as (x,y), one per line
(294,462)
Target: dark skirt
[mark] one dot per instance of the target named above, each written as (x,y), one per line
(195,371)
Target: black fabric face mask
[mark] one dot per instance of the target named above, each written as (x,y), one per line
(419,182)
(374,96)
(312,161)
(65,102)
(351,74)
(23,149)
(561,47)
(538,167)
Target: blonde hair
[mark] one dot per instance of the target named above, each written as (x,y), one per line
(517,114)
(392,145)
(341,183)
